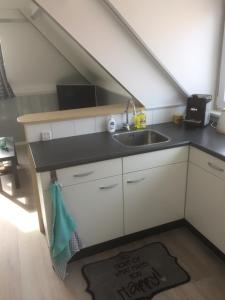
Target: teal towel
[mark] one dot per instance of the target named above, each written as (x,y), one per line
(63,227)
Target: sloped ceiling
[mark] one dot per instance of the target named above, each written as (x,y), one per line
(184,35)
(73,52)
(181,39)
(45,49)
(11,4)
(32,64)
(102,35)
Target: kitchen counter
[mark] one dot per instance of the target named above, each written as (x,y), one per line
(77,150)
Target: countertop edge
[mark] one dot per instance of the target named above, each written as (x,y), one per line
(106,157)
(98,147)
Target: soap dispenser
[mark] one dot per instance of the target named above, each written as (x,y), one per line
(111,125)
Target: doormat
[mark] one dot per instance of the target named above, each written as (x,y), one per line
(134,275)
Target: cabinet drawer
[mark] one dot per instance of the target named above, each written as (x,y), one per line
(88,172)
(208,162)
(155,159)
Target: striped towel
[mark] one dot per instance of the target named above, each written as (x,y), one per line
(65,242)
(75,245)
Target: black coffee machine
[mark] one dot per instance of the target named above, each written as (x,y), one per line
(198,110)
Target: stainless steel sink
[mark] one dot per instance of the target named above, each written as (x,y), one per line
(137,138)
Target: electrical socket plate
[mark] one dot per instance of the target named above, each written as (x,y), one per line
(46,135)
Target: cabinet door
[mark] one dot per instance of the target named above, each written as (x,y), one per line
(97,207)
(154,197)
(205,207)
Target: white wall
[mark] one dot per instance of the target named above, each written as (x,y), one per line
(93,25)
(32,64)
(185,35)
(220,104)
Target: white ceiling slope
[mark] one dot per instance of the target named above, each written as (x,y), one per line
(184,35)
(11,4)
(32,64)
(92,24)
(72,51)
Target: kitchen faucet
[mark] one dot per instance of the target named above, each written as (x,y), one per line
(130,101)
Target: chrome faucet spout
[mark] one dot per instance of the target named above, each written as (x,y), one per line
(131,101)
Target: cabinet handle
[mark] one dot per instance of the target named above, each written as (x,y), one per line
(135,181)
(108,187)
(83,174)
(211,165)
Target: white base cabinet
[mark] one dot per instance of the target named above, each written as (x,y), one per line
(93,194)
(205,208)
(154,197)
(108,201)
(111,198)
(98,209)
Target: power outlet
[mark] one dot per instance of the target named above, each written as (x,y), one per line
(46,135)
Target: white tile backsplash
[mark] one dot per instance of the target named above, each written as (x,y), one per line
(84,126)
(97,124)
(124,118)
(119,121)
(33,132)
(62,129)
(180,110)
(149,117)
(162,115)
(101,124)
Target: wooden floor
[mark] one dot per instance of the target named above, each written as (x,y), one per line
(26,272)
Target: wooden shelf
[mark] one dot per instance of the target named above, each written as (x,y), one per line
(80,113)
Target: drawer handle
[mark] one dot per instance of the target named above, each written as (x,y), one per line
(108,187)
(211,165)
(135,181)
(83,174)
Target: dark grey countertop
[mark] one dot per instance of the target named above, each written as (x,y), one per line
(77,150)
